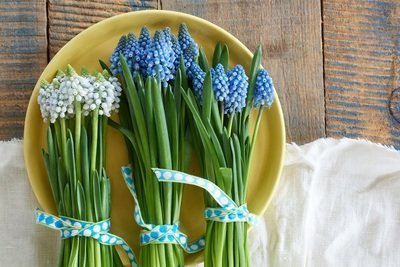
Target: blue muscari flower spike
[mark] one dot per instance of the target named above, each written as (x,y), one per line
(238,84)
(264,91)
(163,57)
(145,46)
(132,53)
(184,38)
(197,75)
(168,35)
(114,59)
(220,83)
(177,51)
(190,55)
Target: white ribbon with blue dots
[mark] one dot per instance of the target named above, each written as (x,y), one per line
(70,227)
(159,234)
(229,210)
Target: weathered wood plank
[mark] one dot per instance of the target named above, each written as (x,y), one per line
(68,18)
(23,55)
(362,49)
(290,34)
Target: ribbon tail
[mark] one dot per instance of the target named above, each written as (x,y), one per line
(111,240)
(196,246)
(127,174)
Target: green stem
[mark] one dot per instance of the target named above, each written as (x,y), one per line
(253,141)
(93,154)
(64,143)
(255,132)
(78,115)
(221,112)
(230,124)
(104,140)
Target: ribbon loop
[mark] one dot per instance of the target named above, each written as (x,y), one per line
(70,227)
(229,210)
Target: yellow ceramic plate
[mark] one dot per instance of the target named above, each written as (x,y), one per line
(97,42)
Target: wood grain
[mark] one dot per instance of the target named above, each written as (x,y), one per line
(23,55)
(290,34)
(68,18)
(362,49)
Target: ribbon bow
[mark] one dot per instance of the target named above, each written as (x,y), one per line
(159,234)
(70,227)
(229,211)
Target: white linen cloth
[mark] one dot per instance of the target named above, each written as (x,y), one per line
(337,204)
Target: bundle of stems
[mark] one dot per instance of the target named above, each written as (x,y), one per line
(75,159)
(220,127)
(153,121)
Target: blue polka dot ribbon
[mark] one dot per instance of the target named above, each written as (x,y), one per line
(159,234)
(97,230)
(229,210)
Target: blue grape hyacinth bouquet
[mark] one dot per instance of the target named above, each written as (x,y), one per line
(173,100)
(153,121)
(220,106)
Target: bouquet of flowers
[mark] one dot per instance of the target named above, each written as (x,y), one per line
(220,106)
(77,108)
(153,120)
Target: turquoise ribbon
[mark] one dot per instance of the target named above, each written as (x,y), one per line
(70,227)
(228,212)
(159,234)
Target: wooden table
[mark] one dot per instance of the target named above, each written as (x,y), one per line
(335,62)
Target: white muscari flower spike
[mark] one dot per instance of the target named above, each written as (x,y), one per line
(58,98)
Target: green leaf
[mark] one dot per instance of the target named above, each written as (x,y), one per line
(217,54)
(61,181)
(177,91)
(208,98)
(240,162)
(53,180)
(67,201)
(149,108)
(173,128)
(80,201)
(161,126)
(51,160)
(203,62)
(236,160)
(207,144)
(96,196)
(224,60)
(227,148)
(226,174)
(255,66)
(125,121)
(105,197)
(104,66)
(136,111)
(86,172)
(130,136)
(71,161)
